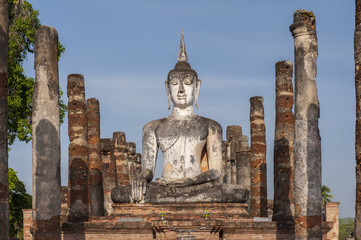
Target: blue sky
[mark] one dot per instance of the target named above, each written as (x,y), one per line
(125,50)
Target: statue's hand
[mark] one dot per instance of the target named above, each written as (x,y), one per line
(182,182)
(139,187)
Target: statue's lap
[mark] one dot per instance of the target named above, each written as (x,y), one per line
(211,192)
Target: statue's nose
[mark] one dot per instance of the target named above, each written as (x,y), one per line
(181,88)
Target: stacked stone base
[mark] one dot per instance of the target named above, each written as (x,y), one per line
(181,221)
(184,221)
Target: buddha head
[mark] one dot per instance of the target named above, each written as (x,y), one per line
(182,84)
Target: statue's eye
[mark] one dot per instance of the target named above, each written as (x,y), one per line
(175,82)
(187,81)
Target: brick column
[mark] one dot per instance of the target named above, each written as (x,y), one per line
(258,159)
(27,224)
(109,173)
(4,190)
(64,204)
(357,52)
(95,181)
(308,175)
(46,136)
(121,161)
(283,204)
(332,210)
(131,160)
(78,150)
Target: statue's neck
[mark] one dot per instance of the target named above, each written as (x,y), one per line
(183,112)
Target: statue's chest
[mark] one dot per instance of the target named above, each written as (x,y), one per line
(182,135)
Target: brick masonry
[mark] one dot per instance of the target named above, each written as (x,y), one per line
(109,173)
(78,150)
(284,208)
(95,181)
(258,159)
(121,160)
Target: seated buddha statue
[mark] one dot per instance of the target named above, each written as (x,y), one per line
(191,147)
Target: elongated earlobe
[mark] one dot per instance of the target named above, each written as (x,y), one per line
(197,92)
(167,89)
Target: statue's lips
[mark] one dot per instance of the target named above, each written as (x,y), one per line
(181,97)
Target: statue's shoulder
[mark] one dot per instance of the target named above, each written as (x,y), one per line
(210,123)
(152,125)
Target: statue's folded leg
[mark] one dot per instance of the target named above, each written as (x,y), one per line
(207,192)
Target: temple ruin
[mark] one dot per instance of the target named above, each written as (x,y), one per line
(210,188)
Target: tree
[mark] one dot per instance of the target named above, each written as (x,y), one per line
(23,22)
(18,200)
(326,196)
(346,228)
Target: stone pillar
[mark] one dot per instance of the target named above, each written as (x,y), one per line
(223,176)
(308,175)
(332,210)
(27,224)
(234,135)
(109,173)
(244,168)
(258,159)
(78,150)
(121,161)
(4,190)
(357,52)
(228,166)
(95,181)
(46,136)
(284,202)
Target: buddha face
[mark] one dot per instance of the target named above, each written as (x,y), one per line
(182,88)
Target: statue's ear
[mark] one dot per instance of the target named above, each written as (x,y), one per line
(168,95)
(197,92)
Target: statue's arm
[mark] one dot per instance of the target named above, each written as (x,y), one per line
(149,157)
(149,151)
(214,149)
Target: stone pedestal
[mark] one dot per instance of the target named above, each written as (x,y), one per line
(177,211)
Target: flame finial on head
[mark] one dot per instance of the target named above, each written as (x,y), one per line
(182,55)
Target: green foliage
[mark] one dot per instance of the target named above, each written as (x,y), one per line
(18,200)
(326,196)
(346,227)
(23,22)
